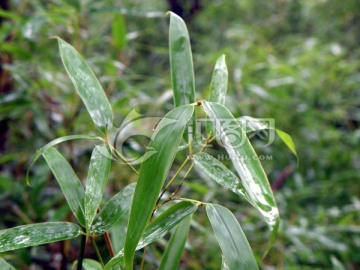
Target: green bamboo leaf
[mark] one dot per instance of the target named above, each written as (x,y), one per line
(218,86)
(117,206)
(220,174)
(181,64)
(68,181)
(251,124)
(245,162)
(159,227)
(164,144)
(231,238)
(219,81)
(96,182)
(39,152)
(176,245)
(118,31)
(87,86)
(5,265)
(37,234)
(286,138)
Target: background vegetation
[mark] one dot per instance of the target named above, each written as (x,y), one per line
(291,60)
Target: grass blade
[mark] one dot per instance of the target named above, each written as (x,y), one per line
(176,245)
(160,226)
(231,238)
(5,265)
(153,172)
(68,181)
(87,86)
(96,182)
(37,234)
(246,163)
(220,174)
(117,206)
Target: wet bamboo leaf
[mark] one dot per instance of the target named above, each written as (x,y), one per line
(96,182)
(68,181)
(153,172)
(55,142)
(245,162)
(286,138)
(219,82)
(117,206)
(231,238)
(87,86)
(176,245)
(160,226)
(37,234)
(181,64)
(218,86)
(220,174)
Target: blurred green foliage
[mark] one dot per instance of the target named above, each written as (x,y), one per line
(291,60)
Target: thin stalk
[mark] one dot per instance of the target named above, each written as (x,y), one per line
(81,251)
(109,244)
(97,251)
(172,179)
(143,259)
(118,155)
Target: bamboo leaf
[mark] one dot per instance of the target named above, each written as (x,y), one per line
(159,227)
(286,138)
(220,174)
(96,182)
(245,162)
(218,86)
(117,206)
(176,245)
(219,81)
(153,171)
(55,142)
(68,181)
(87,86)
(37,234)
(181,64)
(231,238)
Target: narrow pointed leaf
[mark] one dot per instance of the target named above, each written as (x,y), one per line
(96,182)
(117,206)
(251,124)
(220,174)
(182,71)
(176,245)
(286,138)
(231,238)
(37,234)
(153,172)
(246,163)
(219,82)
(68,181)
(87,86)
(55,142)
(181,63)
(218,86)
(160,226)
